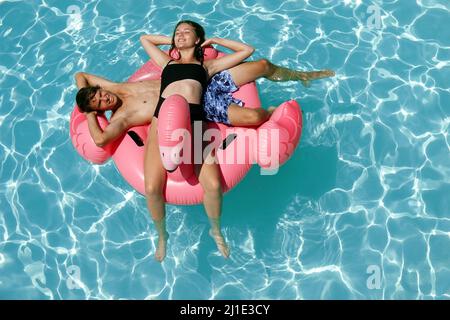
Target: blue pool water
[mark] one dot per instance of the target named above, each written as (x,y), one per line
(360,211)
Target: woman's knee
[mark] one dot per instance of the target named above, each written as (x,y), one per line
(153,191)
(211,184)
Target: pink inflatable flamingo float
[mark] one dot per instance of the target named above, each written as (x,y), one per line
(270,145)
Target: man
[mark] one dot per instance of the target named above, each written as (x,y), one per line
(133,104)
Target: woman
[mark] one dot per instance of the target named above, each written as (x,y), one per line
(187,76)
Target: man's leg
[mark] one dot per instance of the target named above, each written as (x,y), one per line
(250,71)
(244,117)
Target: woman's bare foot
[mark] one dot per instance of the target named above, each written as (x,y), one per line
(220,242)
(160,253)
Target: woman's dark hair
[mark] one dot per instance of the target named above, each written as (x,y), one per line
(199,31)
(84,97)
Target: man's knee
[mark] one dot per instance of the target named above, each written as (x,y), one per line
(257,116)
(265,64)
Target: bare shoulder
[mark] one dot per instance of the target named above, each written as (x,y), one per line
(120,118)
(130,117)
(139,88)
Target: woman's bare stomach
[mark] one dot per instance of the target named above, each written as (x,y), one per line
(191,90)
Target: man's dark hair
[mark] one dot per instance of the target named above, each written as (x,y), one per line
(84,97)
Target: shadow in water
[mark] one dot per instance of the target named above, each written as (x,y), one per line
(259,201)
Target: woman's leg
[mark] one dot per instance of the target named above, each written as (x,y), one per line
(210,179)
(250,71)
(155,179)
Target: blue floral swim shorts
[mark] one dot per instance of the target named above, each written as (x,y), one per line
(218,97)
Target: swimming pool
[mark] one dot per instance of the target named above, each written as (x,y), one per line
(361,210)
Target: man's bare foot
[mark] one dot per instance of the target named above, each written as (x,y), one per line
(314,75)
(220,242)
(271,110)
(306,83)
(160,253)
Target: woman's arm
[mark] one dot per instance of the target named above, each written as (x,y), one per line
(151,43)
(242,52)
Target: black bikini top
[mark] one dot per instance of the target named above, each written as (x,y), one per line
(181,71)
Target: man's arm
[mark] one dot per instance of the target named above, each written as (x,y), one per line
(84,79)
(102,137)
